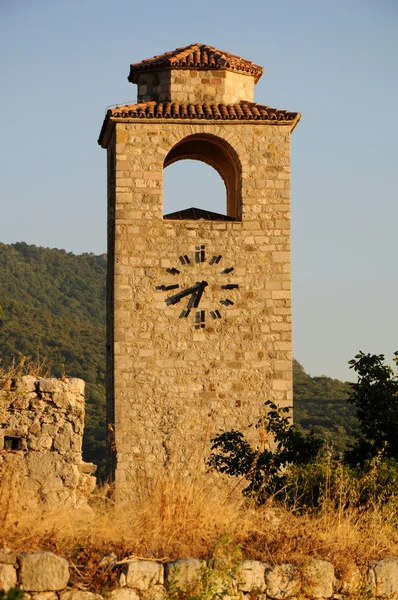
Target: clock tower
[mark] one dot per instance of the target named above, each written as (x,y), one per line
(199,303)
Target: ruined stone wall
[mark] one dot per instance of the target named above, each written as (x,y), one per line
(42,423)
(176,385)
(195,85)
(45,576)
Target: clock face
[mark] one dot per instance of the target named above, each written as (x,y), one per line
(200,287)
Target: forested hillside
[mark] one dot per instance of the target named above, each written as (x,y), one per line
(52,305)
(320,403)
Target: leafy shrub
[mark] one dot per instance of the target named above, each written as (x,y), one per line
(265,469)
(375,397)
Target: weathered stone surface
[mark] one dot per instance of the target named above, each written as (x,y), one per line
(50,385)
(141,574)
(43,572)
(124,594)
(386,574)
(251,576)
(76,385)
(182,574)
(8,577)
(352,581)
(26,383)
(48,423)
(318,579)
(282,581)
(45,596)
(80,595)
(8,557)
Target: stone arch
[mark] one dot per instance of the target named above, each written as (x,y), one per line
(220,155)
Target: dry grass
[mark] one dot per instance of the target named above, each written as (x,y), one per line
(175,518)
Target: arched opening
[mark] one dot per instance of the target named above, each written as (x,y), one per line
(217,154)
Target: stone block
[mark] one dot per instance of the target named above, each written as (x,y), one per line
(351,581)
(124,594)
(318,579)
(182,574)
(27,383)
(43,572)
(76,385)
(50,385)
(251,576)
(141,574)
(386,574)
(80,595)
(282,581)
(8,557)
(45,596)
(8,577)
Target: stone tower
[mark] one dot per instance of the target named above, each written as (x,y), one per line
(199,317)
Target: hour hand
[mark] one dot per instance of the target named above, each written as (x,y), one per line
(199,294)
(177,297)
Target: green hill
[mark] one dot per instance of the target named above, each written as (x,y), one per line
(320,403)
(52,305)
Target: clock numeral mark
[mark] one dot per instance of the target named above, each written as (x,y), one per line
(166,288)
(215,314)
(173,271)
(200,254)
(227,302)
(184,314)
(226,271)
(215,259)
(184,259)
(230,286)
(200,319)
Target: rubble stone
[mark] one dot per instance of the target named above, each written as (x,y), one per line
(141,574)
(8,577)
(318,579)
(182,574)
(386,573)
(43,572)
(282,581)
(251,576)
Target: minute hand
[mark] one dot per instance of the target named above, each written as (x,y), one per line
(177,297)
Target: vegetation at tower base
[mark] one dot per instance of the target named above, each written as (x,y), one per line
(375,397)
(264,467)
(298,468)
(52,305)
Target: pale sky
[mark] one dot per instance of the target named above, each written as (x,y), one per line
(62,62)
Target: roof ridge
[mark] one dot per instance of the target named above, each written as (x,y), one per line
(196,56)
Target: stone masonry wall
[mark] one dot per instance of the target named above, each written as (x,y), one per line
(45,576)
(42,423)
(195,85)
(175,386)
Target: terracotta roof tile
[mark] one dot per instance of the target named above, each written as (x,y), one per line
(196,56)
(247,111)
(242,111)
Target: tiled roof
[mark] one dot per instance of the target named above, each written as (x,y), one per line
(196,56)
(241,111)
(193,214)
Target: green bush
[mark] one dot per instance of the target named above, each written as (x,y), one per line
(264,469)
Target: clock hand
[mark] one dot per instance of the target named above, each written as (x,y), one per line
(199,293)
(177,297)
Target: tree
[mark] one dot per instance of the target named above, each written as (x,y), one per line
(264,468)
(375,397)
